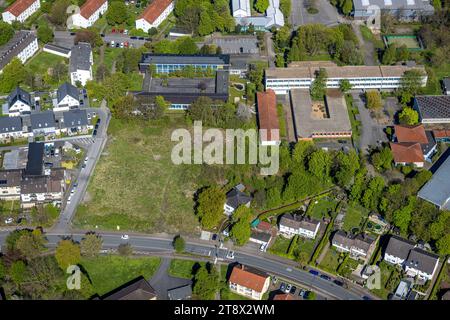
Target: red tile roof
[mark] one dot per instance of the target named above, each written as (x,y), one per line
(283,296)
(264,226)
(19,6)
(267,114)
(411,133)
(441,133)
(243,277)
(90,6)
(407,152)
(154,10)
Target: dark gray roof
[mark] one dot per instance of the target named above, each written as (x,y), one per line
(446,82)
(261,236)
(16,45)
(422,260)
(427,147)
(19,94)
(80,57)
(394,4)
(222,82)
(54,47)
(10,178)
(135,290)
(10,124)
(180,293)
(235,198)
(433,107)
(437,190)
(360,241)
(42,120)
(67,89)
(35,159)
(75,118)
(297,221)
(399,247)
(215,59)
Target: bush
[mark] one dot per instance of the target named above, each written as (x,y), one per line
(179,244)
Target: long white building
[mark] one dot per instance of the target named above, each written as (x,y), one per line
(281,80)
(20,10)
(154,14)
(23,46)
(89,13)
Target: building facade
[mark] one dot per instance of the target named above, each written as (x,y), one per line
(81,61)
(401,9)
(89,13)
(249,282)
(155,13)
(167,63)
(20,10)
(23,46)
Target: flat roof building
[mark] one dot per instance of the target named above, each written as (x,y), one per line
(167,63)
(314,120)
(402,9)
(437,190)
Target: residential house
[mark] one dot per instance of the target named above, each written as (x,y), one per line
(437,189)
(180,293)
(89,13)
(155,13)
(269,127)
(442,135)
(20,10)
(137,289)
(81,61)
(43,189)
(433,109)
(11,128)
(259,237)
(283,296)
(19,102)
(43,123)
(412,145)
(249,282)
(243,16)
(75,122)
(358,246)
(23,46)
(234,199)
(446,86)
(10,184)
(57,50)
(302,74)
(67,97)
(415,261)
(294,224)
(401,9)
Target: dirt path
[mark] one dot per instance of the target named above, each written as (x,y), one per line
(323,253)
(366,46)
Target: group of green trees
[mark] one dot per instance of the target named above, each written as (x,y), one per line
(345,6)
(183,45)
(6,32)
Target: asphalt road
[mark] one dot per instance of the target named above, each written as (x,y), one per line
(63,38)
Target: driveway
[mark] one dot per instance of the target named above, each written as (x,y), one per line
(327,14)
(162,282)
(65,39)
(366,46)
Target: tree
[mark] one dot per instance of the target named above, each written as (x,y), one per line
(125,249)
(17,272)
(240,230)
(402,217)
(67,253)
(90,36)
(261,5)
(6,32)
(14,74)
(58,12)
(443,245)
(390,54)
(117,13)
(383,160)
(319,164)
(411,82)
(31,244)
(210,206)
(152,31)
(45,33)
(206,283)
(102,72)
(318,87)
(408,116)
(373,100)
(345,85)
(347,7)
(187,46)
(2,270)
(347,166)
(349,54)
(179,244)
(91,245)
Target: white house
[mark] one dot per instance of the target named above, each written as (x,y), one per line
(249,282)
(23,46)
(357,247)
(18,103)
(43,123)
(56,50)
(11,127)
(20,10)
(241,8)
(10,184)
(90,12)
(81,61)
(67,97)
(154,14)
(291,225)
(236,198)
(75,122)
(42,189)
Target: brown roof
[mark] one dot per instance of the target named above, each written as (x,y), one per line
(283,296)
(19,6)
(154,10)
(90,6)
(441,133)
(10,178)
(411,133)
(267,114)
(407,152)
(264,226)
(248,277)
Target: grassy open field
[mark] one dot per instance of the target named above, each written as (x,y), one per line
(321,208)
(43,61)
(135,184)
(354,217)
(183,268)
(110,272)
(331,261)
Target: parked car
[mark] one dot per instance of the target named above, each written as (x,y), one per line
(96,126)
(141,38)
(48,164)
(314,272)
(274,279)
(98,120)
(306,294)
(366,298)
(288,288)
(230,254)
(72,33)
(325,277)
(125,237)
(125,32)
(113,31)
(301,293)
(293,289)
(262,248)
(133,37)
(117,45)
(121,45)
(9,220)
(94,133)
(102,35)
(214,236)
(283,286)
(69,198)
(112,43)
(86,160)
(339,283)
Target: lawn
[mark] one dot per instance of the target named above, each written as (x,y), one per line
(135,184)
(352,112)
(110,272)
(280,246)
(43,61)
(300,253)
(354,216)
(331,261)
(183,268)
(320,209)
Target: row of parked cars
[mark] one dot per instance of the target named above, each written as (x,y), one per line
(325,277)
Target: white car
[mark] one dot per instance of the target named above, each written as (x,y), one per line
(230,254)
(125,237)
(9,220)
(86,160)
(288,288)
(262,248)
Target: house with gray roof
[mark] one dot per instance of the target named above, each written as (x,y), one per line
(358,246)
(75,122)
(437,189)
(262,238)
(397,250)
(43,123)
(234,199)
(433,109)
(401,9)
(10,184)
(23,45)
(57,50)
(137,289)
(81,61)
(295,224)
(11,128)
(67,97)
(180,293)
(18,102)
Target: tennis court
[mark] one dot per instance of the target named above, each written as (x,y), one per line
(410,41)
